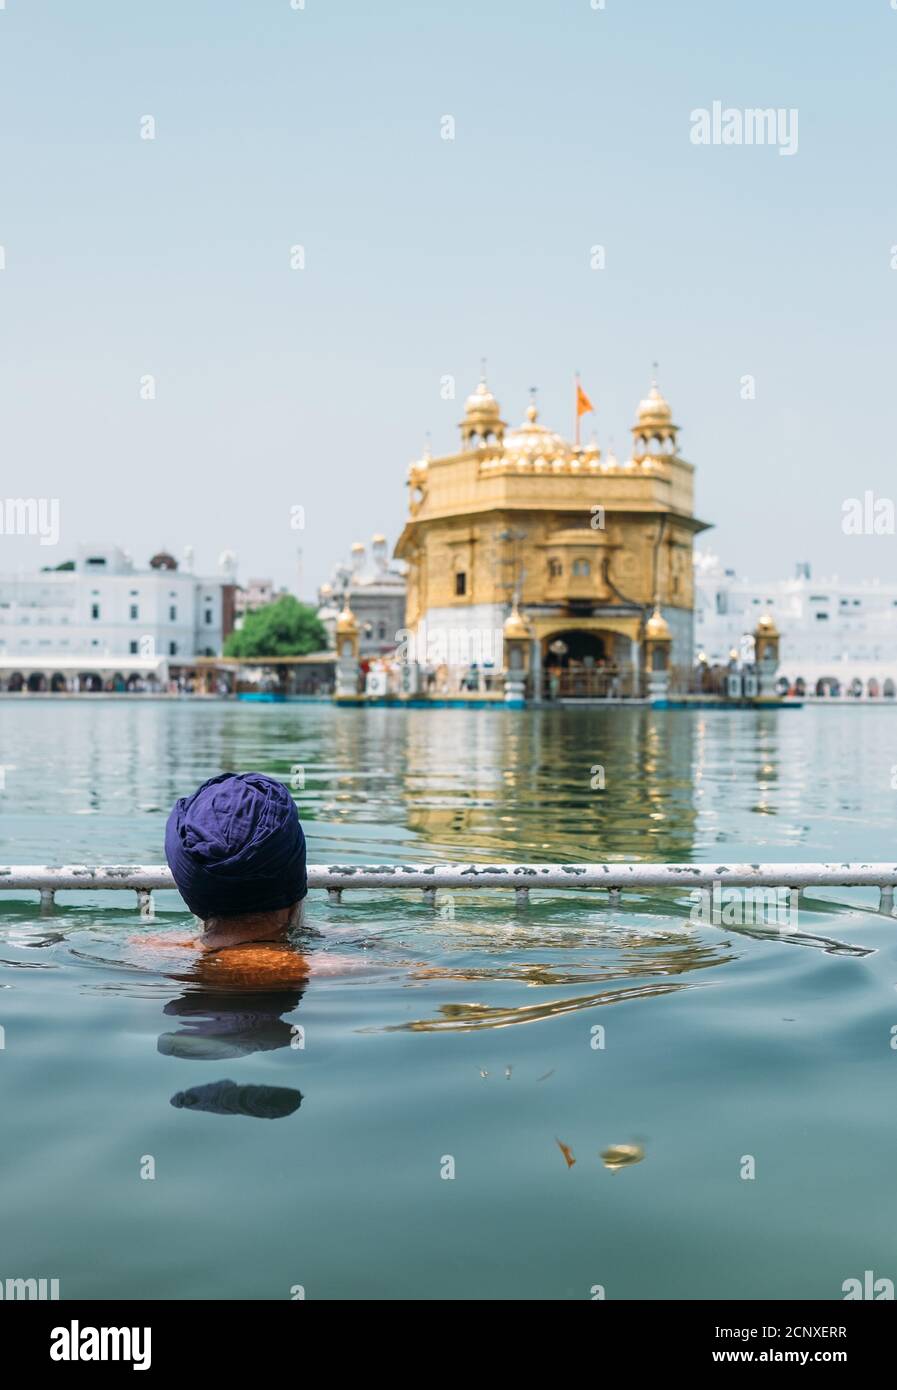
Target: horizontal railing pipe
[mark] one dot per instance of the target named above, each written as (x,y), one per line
(432,877)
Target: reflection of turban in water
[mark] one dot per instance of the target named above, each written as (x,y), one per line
(236,846)
(229,1025)
(227,1098)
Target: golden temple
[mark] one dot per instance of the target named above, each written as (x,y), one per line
(592,556)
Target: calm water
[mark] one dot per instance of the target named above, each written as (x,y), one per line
(470,1037)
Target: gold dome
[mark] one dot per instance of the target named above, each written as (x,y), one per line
(346,623)
(657,628)
(482,418)
(766,627)
(482,403)
(532,440)
(379,539)
(654,409)
(516,628)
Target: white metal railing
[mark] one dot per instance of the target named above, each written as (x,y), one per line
(521,878)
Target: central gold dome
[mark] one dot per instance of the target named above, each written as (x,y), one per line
(535,441)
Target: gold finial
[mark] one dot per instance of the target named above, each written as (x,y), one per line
(346,622)
(516,627)
(532,413)
(657,627)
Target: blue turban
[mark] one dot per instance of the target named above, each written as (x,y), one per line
(236,846)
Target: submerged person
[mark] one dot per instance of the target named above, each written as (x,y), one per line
(236,851)
(237,855)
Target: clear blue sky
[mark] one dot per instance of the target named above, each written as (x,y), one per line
(321,126)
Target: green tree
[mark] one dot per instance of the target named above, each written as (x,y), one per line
(285,627)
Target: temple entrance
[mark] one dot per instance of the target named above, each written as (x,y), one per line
(568,649)
(578,664)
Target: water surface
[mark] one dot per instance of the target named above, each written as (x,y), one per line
(457,1039)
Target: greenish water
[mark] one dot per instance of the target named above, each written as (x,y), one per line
(428,1036)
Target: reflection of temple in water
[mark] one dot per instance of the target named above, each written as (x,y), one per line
(588,784)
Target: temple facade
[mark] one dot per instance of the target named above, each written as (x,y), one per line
(587,560)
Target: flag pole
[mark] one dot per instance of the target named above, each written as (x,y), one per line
(576,405)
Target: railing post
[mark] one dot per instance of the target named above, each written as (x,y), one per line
(145,902)
(47,901)
(886,900)
(334,895)
(521,898)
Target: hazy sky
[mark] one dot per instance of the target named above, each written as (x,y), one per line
(322,127)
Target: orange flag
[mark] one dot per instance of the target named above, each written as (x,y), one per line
(583,404)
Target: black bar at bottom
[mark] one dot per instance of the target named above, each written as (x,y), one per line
(149,1338)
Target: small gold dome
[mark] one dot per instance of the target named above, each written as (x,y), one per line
(482,402)
(654,409)
(657,627)
(346,623)
(379,539)
(516,627)
(767,627)
(357,547)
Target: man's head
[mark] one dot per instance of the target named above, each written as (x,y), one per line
(236,851)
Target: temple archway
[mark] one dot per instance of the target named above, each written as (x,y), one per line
(573,646)
(581,664)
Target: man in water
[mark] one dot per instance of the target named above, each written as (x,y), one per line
(237,854)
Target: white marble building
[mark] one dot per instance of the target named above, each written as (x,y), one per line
(105,613)
(838,637)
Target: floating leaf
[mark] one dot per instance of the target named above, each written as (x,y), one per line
(621,1155)
(567,1152)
